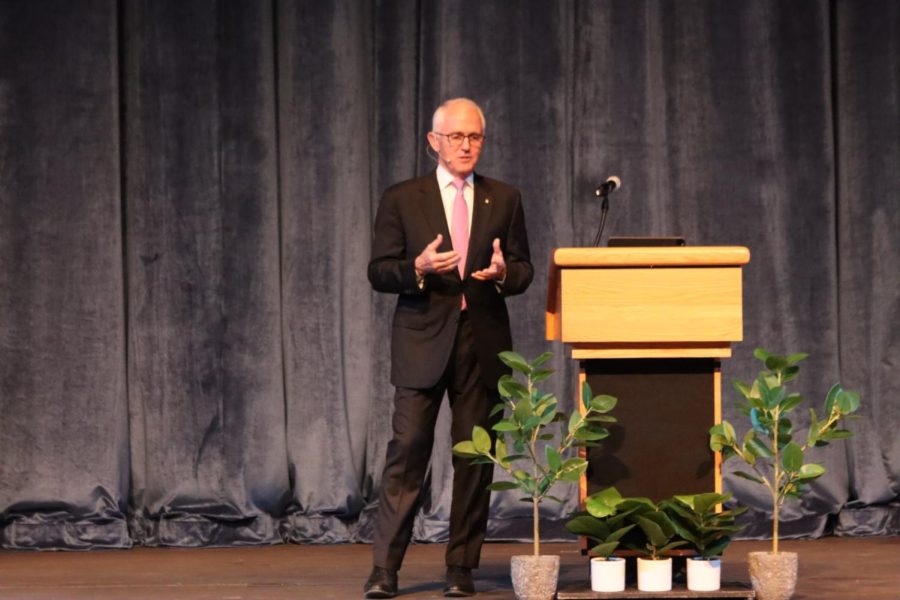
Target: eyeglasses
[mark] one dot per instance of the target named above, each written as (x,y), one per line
(456,138)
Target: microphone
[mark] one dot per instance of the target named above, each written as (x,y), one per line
(610,185)
(603,191)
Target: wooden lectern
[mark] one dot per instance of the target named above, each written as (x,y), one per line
(650,326)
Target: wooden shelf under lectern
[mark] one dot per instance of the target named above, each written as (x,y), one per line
(650,326)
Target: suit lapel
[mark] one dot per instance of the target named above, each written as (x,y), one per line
(433,209)
(481,214)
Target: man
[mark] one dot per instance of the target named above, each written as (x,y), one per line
(452,245)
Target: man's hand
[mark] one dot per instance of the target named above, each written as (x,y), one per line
(432,261)
(497,268)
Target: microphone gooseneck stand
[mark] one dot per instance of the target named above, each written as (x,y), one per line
(604,210)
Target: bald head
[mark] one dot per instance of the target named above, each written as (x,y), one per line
(437,120)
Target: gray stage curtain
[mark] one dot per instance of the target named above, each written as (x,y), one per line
(190,353)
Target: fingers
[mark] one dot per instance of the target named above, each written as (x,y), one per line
(435,243)
(497,249)
(444,262)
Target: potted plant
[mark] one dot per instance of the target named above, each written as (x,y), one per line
(776,454)
(529,414)
(604,524)
(654,568)
(707,530)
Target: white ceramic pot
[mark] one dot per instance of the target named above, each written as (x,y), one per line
(534,577)
(654,575)
(774,576)
(608,574)
(704,574)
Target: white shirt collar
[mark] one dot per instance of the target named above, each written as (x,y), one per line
(445,178)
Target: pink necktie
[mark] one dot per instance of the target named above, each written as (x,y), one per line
(459,228)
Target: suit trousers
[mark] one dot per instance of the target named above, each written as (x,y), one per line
(409,452)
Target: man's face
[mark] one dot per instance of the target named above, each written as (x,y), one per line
(458,157)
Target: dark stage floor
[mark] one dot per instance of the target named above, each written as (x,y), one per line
(830,569)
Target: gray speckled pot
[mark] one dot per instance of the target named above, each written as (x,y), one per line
(534,577)
(774,576)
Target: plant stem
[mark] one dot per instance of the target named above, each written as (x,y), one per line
(777,475)
(536,496)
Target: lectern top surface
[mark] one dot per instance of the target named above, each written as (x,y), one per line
(685,256)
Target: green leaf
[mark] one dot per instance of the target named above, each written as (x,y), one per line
(795,358)
(652,530)
(572,469)
(604,502)
(481,439)
(602,419)
(586,395)
(745,475)
(605,549)
(704,503)
(792,457)
(790,373)
(776,363)
(498,408)
(810,471)
(515,361)
(465,449)
(553,459)
(770,392)
(790,402)
(847,401)
(540,360)
(523,411)
(761,354)
(541,375)
(587,434)
(759,448)
(499,486)
(547,404)
(721,436)
(603,403)
(587,525)
(500,450)
(510,458)
(742,388)
(505,425)
(512,389)
(531,423)
(671,546)
(836,434)
(574,422)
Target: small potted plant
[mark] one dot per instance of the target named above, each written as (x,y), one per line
(776,455)
(708,531)
(654,568)
(529,414)
(604,524)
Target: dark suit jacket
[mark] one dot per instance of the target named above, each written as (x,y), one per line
(410,216)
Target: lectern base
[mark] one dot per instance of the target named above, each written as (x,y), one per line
(660,445)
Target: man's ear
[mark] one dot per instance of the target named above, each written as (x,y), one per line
(433,142)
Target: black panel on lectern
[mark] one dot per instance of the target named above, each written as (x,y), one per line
(659,447)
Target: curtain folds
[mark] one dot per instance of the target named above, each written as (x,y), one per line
(190,352)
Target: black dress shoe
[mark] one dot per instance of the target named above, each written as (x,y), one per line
(459,582)
(382,583)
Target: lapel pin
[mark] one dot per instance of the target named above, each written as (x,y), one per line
(487,200)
